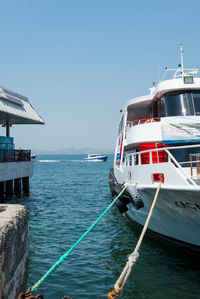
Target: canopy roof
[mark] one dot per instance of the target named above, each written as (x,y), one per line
(16,109)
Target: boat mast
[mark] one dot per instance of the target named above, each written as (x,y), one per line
(179,72)
(182,69)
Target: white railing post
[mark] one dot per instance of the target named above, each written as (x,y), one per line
(139,159)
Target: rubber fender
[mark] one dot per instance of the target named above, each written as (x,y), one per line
(117,189)
(113,190)
(121,207)
(112,182)
(135,197)
(125,197)
(111,178)
(122,201)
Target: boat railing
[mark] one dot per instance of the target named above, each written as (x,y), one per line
(9,155)
(167,155)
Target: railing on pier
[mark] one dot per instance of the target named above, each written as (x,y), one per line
(7,155)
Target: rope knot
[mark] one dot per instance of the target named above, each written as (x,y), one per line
(133,257)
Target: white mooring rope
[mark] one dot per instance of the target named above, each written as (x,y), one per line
(133,257)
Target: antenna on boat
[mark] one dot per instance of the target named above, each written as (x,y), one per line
(180,72)
(181,48)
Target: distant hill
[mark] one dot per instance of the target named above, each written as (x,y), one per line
(73,150)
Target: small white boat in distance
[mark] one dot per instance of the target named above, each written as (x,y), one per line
(33,156)
(96,158)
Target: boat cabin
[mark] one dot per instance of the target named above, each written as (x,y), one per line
(168,117)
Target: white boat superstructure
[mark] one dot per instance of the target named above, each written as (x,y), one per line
(159,139)
(95,158)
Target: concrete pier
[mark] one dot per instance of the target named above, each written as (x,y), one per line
(25,182)
(9,175)
(9,188)
(14,256)
(6,188)
(2,190)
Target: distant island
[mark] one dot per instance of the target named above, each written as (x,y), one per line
(73,150)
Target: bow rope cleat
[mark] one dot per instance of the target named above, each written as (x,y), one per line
(29,295)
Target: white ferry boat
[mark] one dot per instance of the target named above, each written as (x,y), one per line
(159,140)
(96,158)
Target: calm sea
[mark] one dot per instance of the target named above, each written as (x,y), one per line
(67,196)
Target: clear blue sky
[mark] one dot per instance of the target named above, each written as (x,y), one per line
(79,61)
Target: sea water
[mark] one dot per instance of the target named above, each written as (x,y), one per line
(67,196)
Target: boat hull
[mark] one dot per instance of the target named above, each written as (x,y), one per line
(101,159)
(175,219)
(183,246)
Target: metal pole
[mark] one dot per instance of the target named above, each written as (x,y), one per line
(7,129)
(181,47)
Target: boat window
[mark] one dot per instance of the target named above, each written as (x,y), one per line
(182,103)
(196,99)
(121,125)
(141,110)
(176,105)
(183,155)
(159,108)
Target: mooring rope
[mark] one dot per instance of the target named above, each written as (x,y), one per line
(133,257)
(64,256)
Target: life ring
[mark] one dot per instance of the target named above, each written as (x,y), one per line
(150,120)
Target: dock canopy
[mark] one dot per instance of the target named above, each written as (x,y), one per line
(16,109)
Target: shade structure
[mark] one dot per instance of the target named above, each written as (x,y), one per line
(16,109)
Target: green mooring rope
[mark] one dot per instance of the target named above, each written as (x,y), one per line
(65,255)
